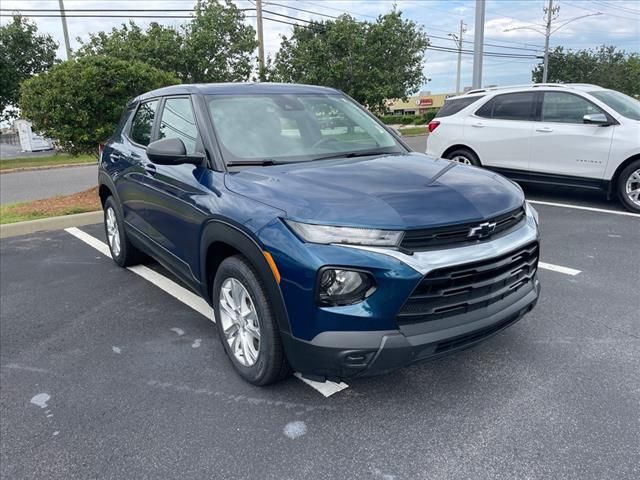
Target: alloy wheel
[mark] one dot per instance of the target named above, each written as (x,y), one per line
(113,233)
(632,187)
(239,321)
(461,159)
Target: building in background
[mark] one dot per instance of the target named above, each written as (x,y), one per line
(419,104)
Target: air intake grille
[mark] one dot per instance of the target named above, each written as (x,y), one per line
(451,291)
(416,240)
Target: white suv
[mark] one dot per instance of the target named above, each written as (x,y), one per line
(567,134)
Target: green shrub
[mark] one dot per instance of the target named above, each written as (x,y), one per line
(79,102)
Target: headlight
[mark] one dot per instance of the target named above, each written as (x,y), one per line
(327,234)
(532,212)
(343,287)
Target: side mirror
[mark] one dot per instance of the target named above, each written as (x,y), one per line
(596,119)
(171,151)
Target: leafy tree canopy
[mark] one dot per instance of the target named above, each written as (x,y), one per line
(605,66)
(370,61)
(79,102)
(216,46)
(23,53)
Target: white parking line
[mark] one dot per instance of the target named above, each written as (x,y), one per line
(559,268)
(581,207)
(189,298)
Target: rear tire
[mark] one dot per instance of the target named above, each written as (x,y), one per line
(122,251)
(246,323)
(628,186)
(464,156)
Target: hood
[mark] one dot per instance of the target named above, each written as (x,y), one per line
(399,191)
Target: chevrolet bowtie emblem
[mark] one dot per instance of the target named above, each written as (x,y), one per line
(483,230)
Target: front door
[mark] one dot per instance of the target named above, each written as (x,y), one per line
(562,144)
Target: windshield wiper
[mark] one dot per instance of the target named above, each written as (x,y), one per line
(355,154)
(264,163)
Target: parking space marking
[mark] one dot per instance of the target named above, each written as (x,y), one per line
(189,298)
(327,388)
(559,268)
(163,283)
(581,207)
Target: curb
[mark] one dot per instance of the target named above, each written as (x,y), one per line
(45,167)
(47,224)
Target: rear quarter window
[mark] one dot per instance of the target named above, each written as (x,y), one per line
(453,106)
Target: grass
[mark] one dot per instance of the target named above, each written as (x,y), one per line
(46,161)
(414,131)
(81,202)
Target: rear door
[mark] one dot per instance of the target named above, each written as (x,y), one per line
(131,158)
(562,144)
(500,130)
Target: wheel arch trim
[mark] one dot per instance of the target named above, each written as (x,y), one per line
(218,230)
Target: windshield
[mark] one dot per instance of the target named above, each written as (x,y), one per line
(279,128)
(621,103)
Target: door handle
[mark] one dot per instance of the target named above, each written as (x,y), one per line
(544,129)
(150,168)
(477,124)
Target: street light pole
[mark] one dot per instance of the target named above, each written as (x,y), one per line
(65,31)
(545,71)
(478,44)
(463,28)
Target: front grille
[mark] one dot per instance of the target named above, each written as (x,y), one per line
(451,291)
(416,240)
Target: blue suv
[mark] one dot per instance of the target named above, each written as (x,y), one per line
(322,242)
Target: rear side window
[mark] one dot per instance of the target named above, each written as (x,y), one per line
(510,106)
(451,107)
(178,121)
(142,124)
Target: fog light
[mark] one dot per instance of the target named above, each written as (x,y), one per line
(344,287)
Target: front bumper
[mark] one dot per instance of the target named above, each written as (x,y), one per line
(340,355)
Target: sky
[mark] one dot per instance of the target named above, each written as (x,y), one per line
(611,22)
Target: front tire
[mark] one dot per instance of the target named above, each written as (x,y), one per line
(246,323)
(122,251)
(629,186)
(464,156)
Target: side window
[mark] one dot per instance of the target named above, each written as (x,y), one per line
(510,106)
(566,108)
(178,121)
(451,107)
(143,123)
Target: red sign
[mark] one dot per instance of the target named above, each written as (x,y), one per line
(425,102)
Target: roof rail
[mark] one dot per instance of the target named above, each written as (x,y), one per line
(527,85)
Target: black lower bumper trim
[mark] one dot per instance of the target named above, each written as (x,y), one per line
(328,356)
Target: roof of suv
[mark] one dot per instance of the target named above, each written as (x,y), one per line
(244,88)
(585,87)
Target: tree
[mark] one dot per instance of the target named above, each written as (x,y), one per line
(79,102)
(370,61)
(159,46)
(23,54)
(605,66)
(216,46)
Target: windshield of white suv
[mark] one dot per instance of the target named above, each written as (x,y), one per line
(621,103)
(280,128)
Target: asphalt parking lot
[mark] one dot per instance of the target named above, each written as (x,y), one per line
(105,375)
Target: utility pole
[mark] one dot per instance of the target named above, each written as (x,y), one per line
(478,44)
(549,13)
(65,31)
(260,38)
(458,40)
